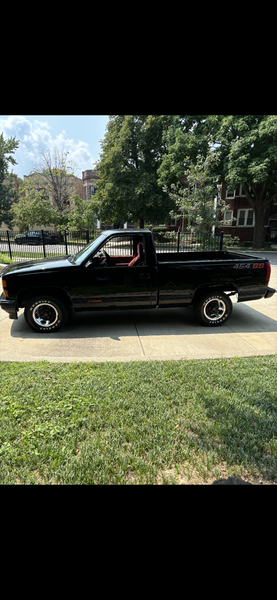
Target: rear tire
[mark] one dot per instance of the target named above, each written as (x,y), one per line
(213,309)
(45,314)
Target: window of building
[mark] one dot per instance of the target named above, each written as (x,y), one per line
(84,192)
(230,193)
(228,216)
(246,217)
(92,190)
(241,191)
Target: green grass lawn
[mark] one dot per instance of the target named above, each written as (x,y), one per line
(144,422)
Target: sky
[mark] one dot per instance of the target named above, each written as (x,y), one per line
(80,135)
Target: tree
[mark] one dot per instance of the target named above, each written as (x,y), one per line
(55,171)
(132,151)
(251,161)
(84,213)
(7,180)
(247,147)
(194,198)
(34,207)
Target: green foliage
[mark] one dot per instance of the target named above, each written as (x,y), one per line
(247,149)
(194,198)
(160,234)
(248,145)
(229,241)
(34,207)
(84,213)
(131,154)
(5,260)
(7,189)
(158,229)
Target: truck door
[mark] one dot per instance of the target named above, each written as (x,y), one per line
(117,277)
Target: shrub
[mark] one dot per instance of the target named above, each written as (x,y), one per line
(5,259)
(247,244)
(159,234)
(160,229)
(229,241)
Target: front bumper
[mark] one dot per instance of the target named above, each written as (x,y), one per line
(10,307)
(270,292)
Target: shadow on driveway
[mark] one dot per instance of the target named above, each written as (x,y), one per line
(176,321)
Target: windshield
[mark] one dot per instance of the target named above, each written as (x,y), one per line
(85,253)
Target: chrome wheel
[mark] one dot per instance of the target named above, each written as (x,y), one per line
(215,309)
(45,315)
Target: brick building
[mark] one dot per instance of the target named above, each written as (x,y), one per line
(69,186)
(88,184)
(244,214)
(73,186)
(243,226)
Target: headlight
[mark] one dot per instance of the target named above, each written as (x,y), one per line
(4,284)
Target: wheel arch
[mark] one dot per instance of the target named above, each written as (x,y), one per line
(28,293)
(202,290)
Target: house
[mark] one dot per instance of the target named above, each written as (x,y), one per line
(67,185)
(241,215)
(88,178)
(70,185)
(243,226)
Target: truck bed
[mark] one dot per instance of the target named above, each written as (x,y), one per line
(163,257)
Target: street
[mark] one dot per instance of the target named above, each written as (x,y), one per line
(57,249)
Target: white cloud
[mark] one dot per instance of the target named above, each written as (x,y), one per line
(36,122)
(35,137)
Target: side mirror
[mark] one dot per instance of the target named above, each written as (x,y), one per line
(89,264)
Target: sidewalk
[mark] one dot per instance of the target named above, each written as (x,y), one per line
(163,334)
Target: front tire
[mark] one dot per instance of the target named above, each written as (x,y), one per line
(45,314)
(213,309)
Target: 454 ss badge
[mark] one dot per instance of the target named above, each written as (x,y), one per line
(249,265)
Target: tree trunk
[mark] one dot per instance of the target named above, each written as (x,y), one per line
(141,223)
(258,240)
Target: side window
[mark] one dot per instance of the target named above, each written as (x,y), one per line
(122,251)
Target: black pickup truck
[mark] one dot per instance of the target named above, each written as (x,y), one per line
(121,270)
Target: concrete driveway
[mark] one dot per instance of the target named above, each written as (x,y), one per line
(163,334)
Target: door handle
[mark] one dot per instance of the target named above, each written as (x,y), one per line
(101,279)
(144,276)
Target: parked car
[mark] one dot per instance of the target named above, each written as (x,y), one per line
(35,238)
(111,273)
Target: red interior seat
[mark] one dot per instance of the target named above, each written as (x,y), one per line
(139,258)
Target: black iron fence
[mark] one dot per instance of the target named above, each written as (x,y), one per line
(45,243)
(187,242)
